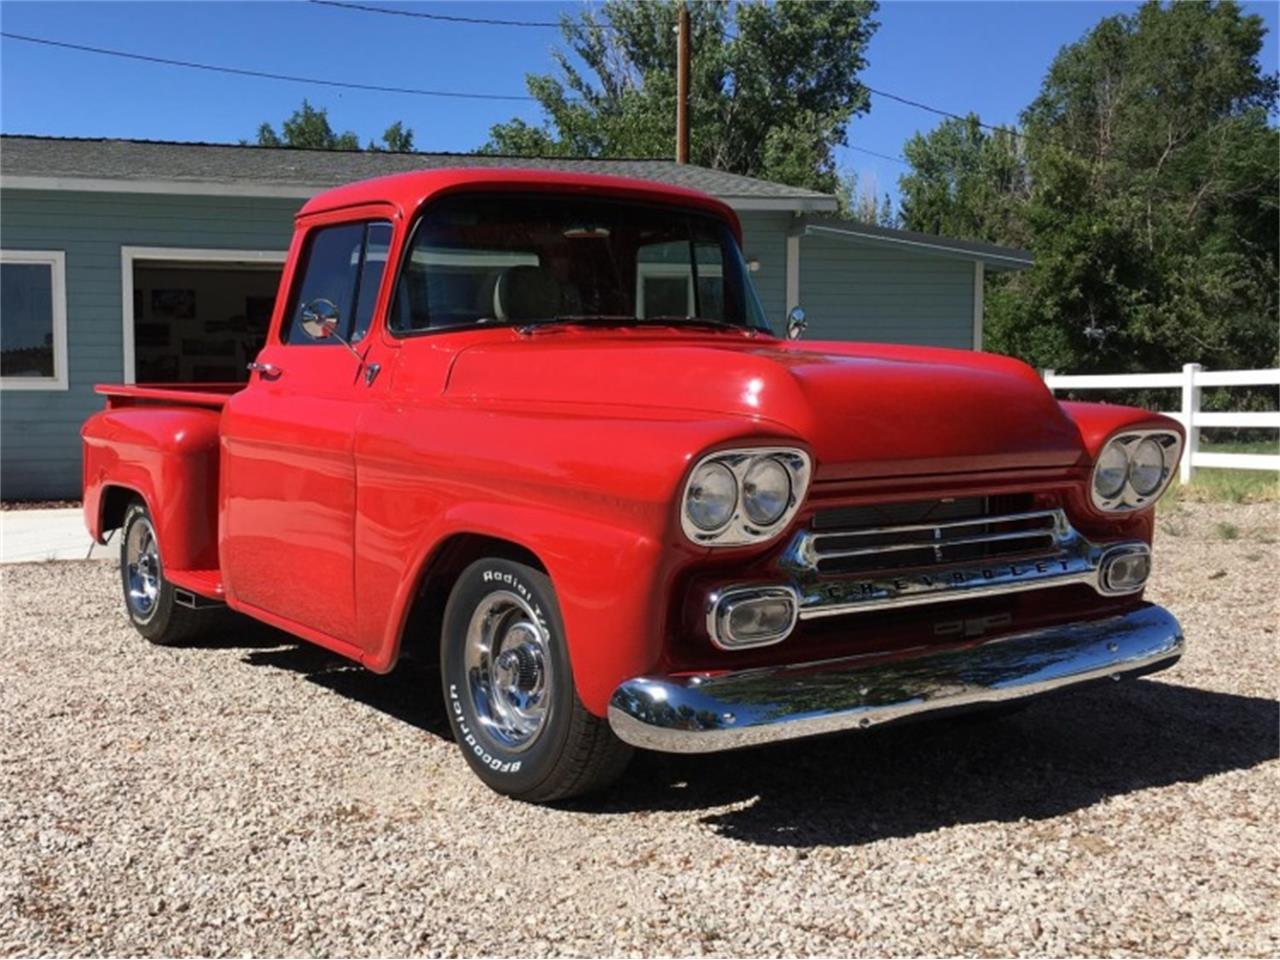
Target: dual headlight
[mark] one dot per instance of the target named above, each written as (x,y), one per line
(1134,468)
(736,497)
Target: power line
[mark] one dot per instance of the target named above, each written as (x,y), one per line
(366,8)
(940,112)
(882,156)
(261,74)
(414,91)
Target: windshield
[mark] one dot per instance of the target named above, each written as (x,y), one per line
(537,258)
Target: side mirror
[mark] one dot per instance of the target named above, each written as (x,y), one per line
(319,319)
(796,323)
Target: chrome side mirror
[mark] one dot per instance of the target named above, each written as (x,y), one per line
(319,319)
(796,323)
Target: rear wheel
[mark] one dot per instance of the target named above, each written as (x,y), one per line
(149,599)
(509,691)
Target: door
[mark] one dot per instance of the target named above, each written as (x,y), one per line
(289,485)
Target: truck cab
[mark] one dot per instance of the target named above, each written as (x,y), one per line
(535,428)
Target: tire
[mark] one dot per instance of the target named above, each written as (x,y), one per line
(149,598)
(509,691)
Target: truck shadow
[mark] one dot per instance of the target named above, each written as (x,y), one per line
(1061,754)
(410,693)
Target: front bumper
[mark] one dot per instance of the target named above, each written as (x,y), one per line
(703,713)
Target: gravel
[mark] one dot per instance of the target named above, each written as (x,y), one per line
(258,796)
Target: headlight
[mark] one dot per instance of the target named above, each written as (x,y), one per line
(737,497)
(1111,472)
(1134,468)
(766,491)
(1146,467)
(712,495)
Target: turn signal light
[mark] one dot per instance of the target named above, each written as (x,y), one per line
(752,616)
(1125,570)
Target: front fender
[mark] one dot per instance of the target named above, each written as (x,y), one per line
(609,581)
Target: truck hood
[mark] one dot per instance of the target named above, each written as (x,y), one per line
(865,410)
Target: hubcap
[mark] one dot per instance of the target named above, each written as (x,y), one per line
(142,569)
(508,669)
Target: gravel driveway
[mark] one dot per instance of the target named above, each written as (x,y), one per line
(257,796)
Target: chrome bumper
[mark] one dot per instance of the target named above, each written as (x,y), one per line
(699,713)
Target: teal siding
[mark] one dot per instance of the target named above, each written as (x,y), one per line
(764,238)
(865,291)
(41,428)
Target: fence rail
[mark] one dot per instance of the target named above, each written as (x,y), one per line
(1189,382)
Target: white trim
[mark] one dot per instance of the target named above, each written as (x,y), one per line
(979,301)
(793,271)
(204,188)
(903,241)
(129,255)
(304,191)
(796,205)
(57,263)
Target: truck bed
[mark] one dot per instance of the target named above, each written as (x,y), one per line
(190,394)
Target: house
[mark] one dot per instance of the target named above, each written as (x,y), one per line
(141,261)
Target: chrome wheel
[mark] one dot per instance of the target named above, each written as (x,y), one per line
(142,569)
(508,663)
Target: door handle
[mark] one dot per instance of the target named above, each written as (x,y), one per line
(268,370)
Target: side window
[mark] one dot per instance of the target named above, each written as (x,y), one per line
(377,246)
(343,264)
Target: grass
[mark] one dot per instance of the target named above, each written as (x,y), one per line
(1228,531)
(1230,486)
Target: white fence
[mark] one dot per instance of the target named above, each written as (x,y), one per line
(1189,381)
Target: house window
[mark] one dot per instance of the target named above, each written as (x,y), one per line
(665,280)
(33,320)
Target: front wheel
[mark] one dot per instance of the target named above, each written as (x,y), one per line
(149,599)
(509,691)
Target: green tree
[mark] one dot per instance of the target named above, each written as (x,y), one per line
(966,182)
(772,98)
(863,203)
(397,138)
(309,128)
(1151,205)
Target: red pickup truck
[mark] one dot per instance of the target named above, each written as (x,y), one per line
(616,510)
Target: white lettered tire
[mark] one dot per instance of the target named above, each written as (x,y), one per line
(509,691)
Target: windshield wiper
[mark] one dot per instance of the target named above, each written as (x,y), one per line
(623,319)
(681,321)
(601,319)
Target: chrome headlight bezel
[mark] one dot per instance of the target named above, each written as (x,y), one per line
(740,529)
(1128,499)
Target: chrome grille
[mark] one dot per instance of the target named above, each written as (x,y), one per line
(944,533)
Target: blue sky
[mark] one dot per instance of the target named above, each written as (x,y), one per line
(959,56)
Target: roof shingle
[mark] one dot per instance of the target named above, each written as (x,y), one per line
(229,165)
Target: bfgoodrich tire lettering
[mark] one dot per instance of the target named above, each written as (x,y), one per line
(509,693)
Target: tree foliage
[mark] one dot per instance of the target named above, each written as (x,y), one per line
(308,128)
(770,98)
(862,202)
(1145,181)
(966,182)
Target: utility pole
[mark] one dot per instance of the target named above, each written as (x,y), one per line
(682,87)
